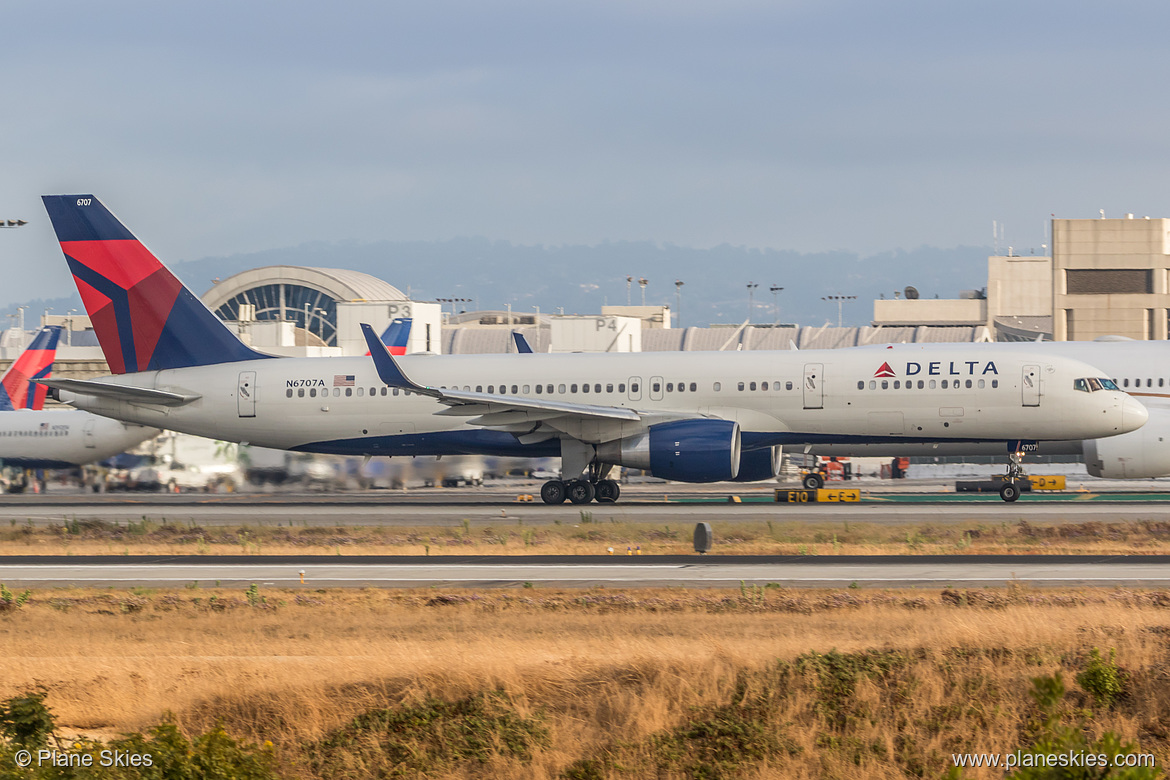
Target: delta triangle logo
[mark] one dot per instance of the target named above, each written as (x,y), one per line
(885,371)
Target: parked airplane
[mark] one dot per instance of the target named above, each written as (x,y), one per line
(691,417)
(18,387)
(33,437)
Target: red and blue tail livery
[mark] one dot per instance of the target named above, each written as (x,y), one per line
(396,335)
(145,319)
(18,388)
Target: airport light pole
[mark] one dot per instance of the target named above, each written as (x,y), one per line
(751,288)
(840,299)
(642,282)
(629,283)
(678,285)
(775,302)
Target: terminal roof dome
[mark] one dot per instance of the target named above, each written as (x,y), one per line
(338,283)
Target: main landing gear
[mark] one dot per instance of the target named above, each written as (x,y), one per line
(580,491)
(595,486)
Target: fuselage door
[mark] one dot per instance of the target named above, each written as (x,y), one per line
(635,388)
(87,434)
(246,395)
(1030,382)
(655,388)
(814,386)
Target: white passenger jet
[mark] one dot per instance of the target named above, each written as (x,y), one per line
(690,416)
(32,437)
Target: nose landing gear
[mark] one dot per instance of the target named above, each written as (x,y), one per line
(1010,490)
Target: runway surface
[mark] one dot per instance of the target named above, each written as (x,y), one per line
(648,504)
(584,571)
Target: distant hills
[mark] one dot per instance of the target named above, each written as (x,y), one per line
(580,279)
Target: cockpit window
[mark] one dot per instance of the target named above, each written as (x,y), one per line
(1093,384)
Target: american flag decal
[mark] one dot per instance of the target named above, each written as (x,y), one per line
(343,380)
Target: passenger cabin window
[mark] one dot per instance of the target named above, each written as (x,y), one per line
(288,393)
(716,387)
(656,388)
(741,385)
(561,389)
(994,383)
(694,386)
(634,387)
(622,387)
(873,384)
(597,388)
(609,388)
(584,388)
(670,387)
(752,385)
(572,388)
(787,385)
(885,384)
(861,385)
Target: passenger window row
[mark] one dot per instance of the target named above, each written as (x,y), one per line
(1138,382)
(929,384)
(547,389)
(360,392)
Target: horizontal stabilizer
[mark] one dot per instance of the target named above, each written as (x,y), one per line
(134,395)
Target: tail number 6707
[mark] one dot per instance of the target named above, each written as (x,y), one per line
(84,201)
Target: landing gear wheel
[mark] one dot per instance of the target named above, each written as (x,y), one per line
(579,491)
(553,492)
(608,491)
(1009,491)
(813,482)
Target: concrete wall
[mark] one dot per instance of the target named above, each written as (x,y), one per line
(596,334)
(1019,287)
(930,311)
(1110,244)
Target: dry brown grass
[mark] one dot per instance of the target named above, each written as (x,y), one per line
(592,534)
(606,670)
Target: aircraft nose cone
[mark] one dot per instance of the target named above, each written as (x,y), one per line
(1133,414)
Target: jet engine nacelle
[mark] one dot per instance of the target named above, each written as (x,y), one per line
(683,451)
(1139,454)
(758,465)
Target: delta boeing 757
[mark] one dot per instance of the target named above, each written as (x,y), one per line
(690,417)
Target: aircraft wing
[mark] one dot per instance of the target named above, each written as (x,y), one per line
(135,395)
(516,414)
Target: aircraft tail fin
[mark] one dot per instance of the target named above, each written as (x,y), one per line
(18,387)
(144,317)
(396,335)
(522,345)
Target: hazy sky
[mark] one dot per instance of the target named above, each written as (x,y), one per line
(214,127)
